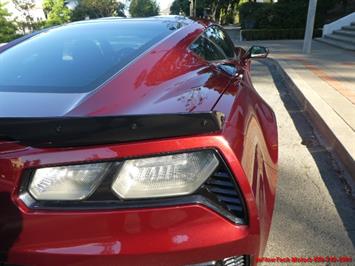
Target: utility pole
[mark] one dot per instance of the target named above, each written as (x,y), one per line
(192,8)
(307,44)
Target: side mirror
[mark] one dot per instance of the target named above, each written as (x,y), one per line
(257,52)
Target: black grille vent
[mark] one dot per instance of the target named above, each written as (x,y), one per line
(236,261)
(231,261)
(226,192)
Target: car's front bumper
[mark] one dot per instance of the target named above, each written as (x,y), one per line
(165,236)
(170,235)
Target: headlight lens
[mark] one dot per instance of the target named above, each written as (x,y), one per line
(160,176)
(75,182)
(164,176)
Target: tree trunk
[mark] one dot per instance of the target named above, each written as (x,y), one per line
(216,12)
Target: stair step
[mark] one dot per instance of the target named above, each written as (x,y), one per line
(338,44)
(341,38)
(348,33)
(352,27)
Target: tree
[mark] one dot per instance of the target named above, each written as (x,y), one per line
(27,23)
(143,8)
(223,11)
(47,6)
(7,27)
(56,12)
(98,9)
(180,6)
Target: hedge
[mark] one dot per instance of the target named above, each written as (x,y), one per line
(284,14)
(276,34)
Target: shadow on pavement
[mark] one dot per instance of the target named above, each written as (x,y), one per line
(328,167)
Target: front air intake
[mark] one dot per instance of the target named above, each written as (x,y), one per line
(235,261)
(231,261)
(225,192)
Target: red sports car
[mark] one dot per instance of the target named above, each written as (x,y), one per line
(133,142)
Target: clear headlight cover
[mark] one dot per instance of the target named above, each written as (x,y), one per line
(74,182)
(164,176)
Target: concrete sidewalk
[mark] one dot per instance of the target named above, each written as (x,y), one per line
(324,83)
(314,211)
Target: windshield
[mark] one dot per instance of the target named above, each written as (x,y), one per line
(77,57)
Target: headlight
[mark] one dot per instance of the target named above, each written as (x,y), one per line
(160,176)
(74,182)
(164,176)
(195,177)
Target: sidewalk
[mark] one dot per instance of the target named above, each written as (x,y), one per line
(324,83)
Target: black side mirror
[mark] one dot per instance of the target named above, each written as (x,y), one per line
(257,52)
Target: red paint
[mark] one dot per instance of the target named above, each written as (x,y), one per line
(167,79)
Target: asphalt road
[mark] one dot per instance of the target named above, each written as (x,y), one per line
(314,213)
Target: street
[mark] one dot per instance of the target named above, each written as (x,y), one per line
(314,213)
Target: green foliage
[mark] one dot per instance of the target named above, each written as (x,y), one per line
(143,8)
(56,12)
(180,6)
(47,6)
(7,27)
(98,9)
(276,34)
(28,23)
(283,14)
(222,11)
(228,12)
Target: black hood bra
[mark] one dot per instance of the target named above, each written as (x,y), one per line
(85,131)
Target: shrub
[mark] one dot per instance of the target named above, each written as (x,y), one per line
(285,14)
(7,27)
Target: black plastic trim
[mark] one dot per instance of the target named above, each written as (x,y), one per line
(85,131)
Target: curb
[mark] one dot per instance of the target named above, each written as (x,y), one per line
(332,143)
